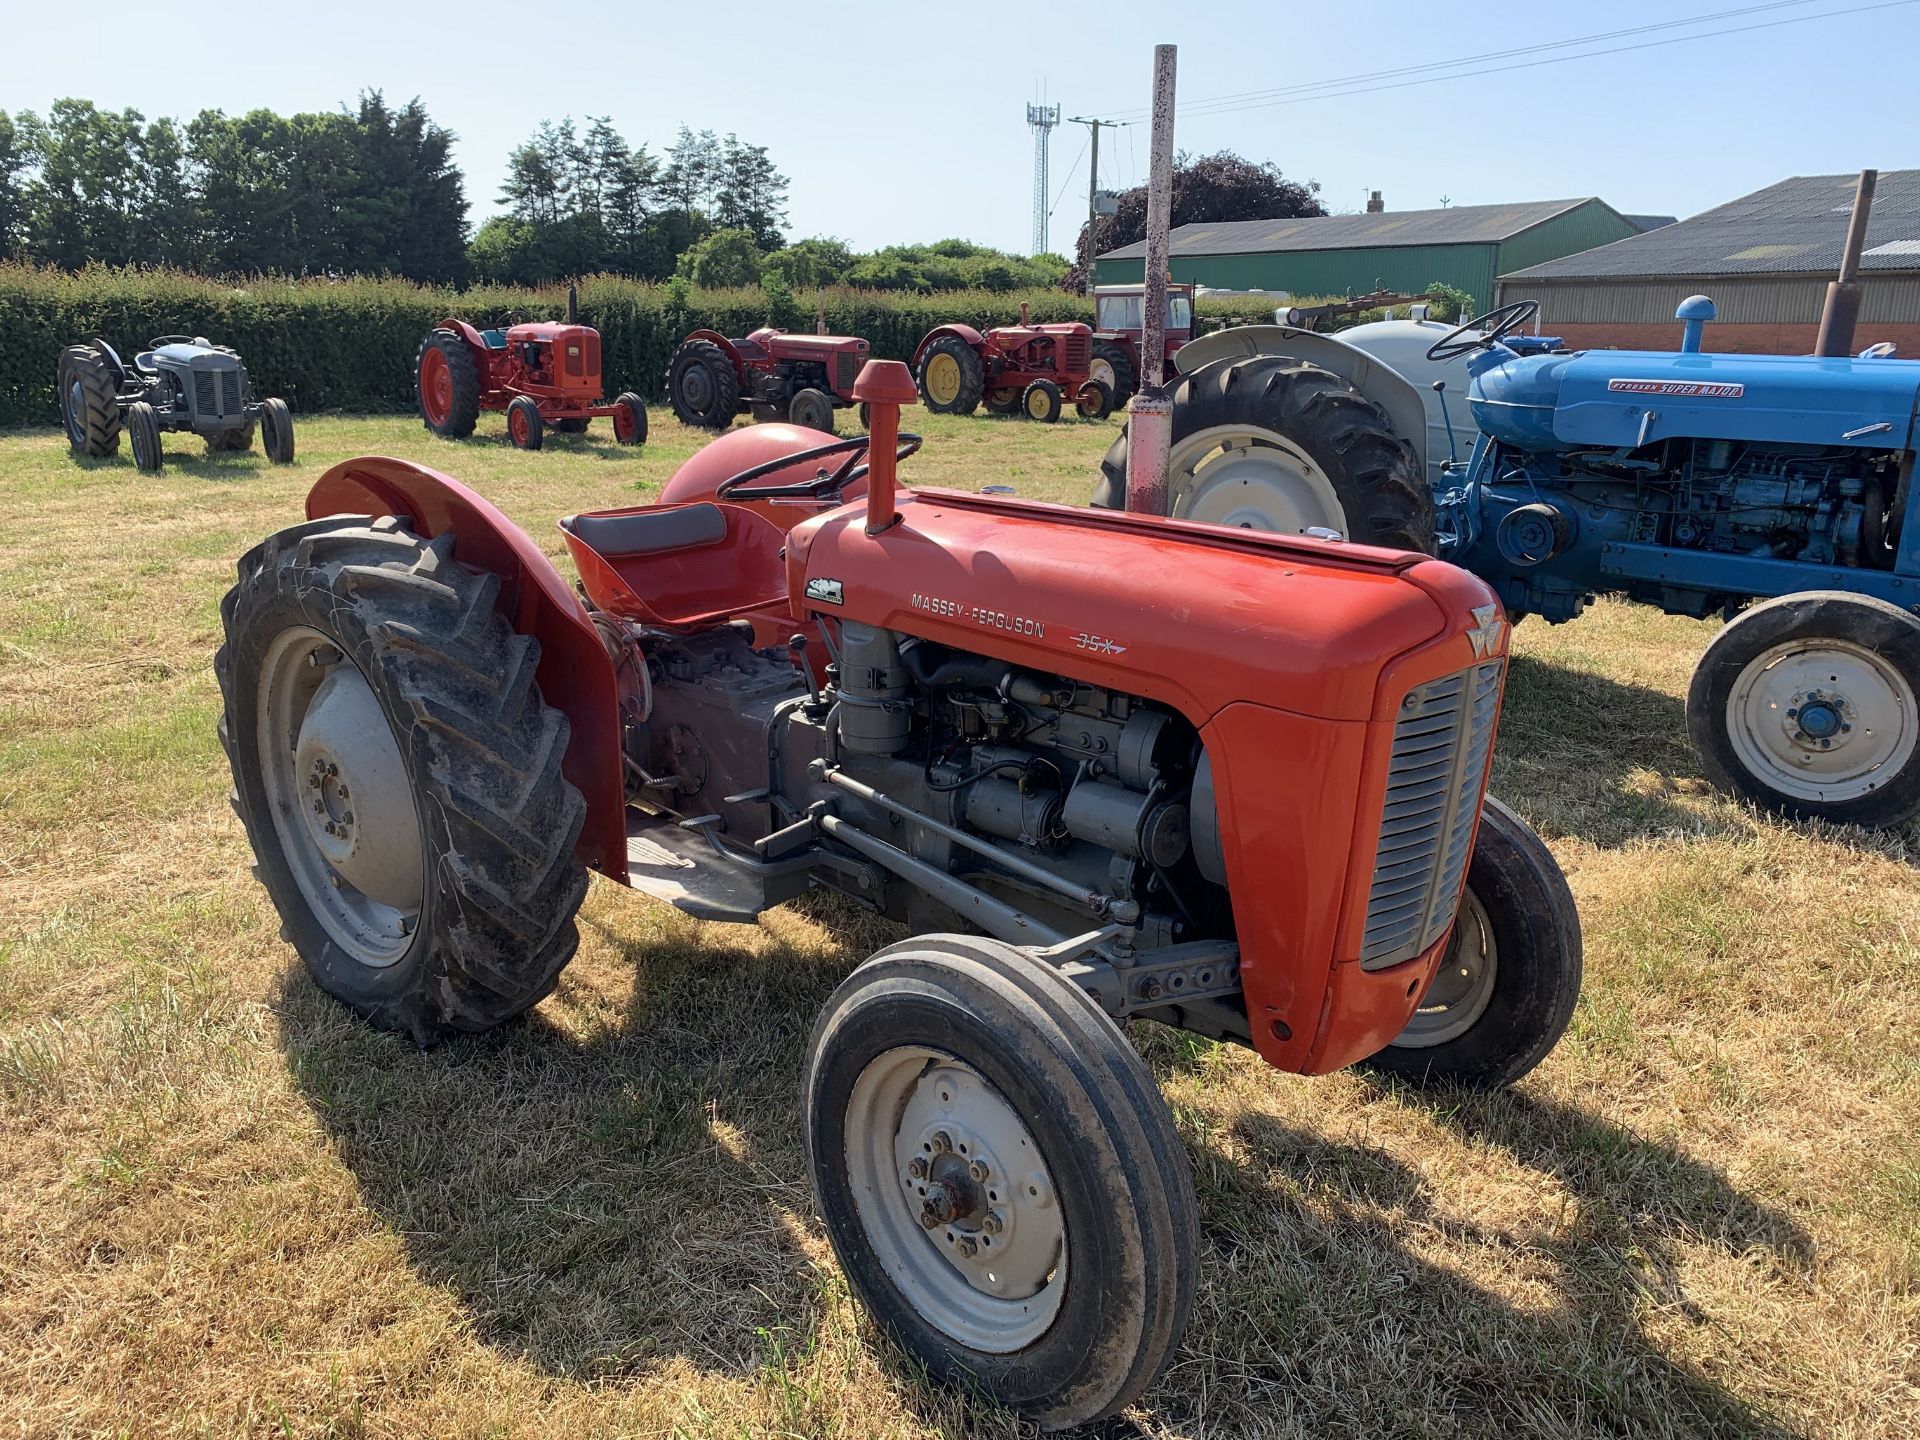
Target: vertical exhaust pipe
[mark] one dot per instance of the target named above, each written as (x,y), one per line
(573,305)
(1842,311)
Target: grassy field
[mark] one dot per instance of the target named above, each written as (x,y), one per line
(226,1207)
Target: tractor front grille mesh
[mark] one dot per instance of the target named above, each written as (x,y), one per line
(229,392)
(1079,354)
(205,400)
(846,370)
(1438,764)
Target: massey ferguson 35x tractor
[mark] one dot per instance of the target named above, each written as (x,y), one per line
(1015,370)
(770,374)
(545,375)
(1774,489)
(1100,766)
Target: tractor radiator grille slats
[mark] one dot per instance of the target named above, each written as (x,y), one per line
(1079,354)
(846,370)
(230,392)
(1440,745)
(205,401)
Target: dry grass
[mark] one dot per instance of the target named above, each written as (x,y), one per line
(227,1208)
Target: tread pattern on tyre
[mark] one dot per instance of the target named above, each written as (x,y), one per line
(1125,379)
(102,400)
(1373,471)
(484,750)
(973,376)
(464,413)
(726,385)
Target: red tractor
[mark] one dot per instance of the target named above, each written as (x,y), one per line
(543,375)
(1117,330)
(770,374)
(1015,370)
(1099,765)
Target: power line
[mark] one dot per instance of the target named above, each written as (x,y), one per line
(1293,95)
(1072,170)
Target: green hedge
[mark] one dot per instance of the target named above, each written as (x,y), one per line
(350,344)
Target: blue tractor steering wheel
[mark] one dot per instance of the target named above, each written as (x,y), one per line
(1493,327)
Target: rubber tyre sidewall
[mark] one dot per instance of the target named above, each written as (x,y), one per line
(143,430)
(973,374)
(1536,931)
(726,385)
(536,428)
(636,409)
(276,430)
(1044,388)
(1871,623)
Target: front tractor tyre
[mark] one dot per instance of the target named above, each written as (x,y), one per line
(1041,401)
(276,430)
(703,386)
(89,402)
(629,419)
(811,409)
(525,429)
(447,383)
(143,429)
(1001,1181)
(1806,706)
(398,775)
(1094,401)
(951,378)
(1272,443)
(1503,994)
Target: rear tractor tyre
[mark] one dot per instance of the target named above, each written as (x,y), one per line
(1041,401)
(1094,400)
(89,402)
(1504,993)
(276,430)
(1806,705)
(951,377)
(231,442)
(398,775)
(703,386)
(525,429)
(143,429)
(812,409)
(1271,443)
(1001,1181)
(1112,364)
(629,419)
(447,384)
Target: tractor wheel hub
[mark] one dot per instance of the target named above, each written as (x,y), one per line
(356,800)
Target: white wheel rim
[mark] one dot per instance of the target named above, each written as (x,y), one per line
(340,796)
(1463,985)
(1251,480)
(923,1127)
(1822,720)
(1102,370)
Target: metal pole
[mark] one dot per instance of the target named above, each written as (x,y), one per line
(1093,193)
(1842,310)
(1150,413)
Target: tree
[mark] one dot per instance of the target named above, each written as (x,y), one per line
(14,162)
(751,194)
(806,264)
(692,174)
(726,257)
(1217,187)
(83,205)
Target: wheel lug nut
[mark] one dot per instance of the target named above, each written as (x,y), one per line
(992,1223)
(968,1246)
(928,1221)
(341,791)
(942,1142)
(978,1170)
(917,1168)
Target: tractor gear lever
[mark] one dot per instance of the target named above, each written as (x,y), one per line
(797,653)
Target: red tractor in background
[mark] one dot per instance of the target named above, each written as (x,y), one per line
(771,374)
(1016,369)
(542,374)
(1117,329)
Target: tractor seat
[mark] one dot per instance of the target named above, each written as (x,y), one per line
(679,566)
(494,339)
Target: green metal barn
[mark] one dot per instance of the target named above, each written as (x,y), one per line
(1406,250)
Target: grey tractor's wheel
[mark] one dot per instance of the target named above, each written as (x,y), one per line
(447,385)
(1504,993)
(398,775)
(629,419)
(951,377)
(89,402)
(812,409)
(525,429)
(703,386)
(1000,1179)
(1272,443)
(143,430)
(1041,401)
(1113,364)
(1806,705)
(276,430)
(231,442)
(1094,401)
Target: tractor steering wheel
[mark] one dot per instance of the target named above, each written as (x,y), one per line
(1494,326)
(823,486)
(159,340)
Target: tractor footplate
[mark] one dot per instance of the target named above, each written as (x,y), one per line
(685,869)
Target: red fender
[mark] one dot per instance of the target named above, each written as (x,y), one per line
(575,674)
(469,334)
(728,347)
(965,332)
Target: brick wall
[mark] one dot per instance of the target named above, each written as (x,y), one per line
(1734,338)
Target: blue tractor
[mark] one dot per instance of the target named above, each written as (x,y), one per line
(1774,490)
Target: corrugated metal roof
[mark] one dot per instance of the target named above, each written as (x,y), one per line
(1796,227)
(1388,229)
(1651,222)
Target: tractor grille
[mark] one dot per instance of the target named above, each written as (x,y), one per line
(206,400)
(846,370)
(1079,353)
(216,393)
(1440,745)
(230,392)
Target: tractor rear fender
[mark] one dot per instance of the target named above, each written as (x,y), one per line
(575,674)
(965,333)
(729,348)
(1386,387)
(467,333)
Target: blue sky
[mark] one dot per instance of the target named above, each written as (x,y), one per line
(902,122)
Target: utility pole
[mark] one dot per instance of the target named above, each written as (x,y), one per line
(1093,182)
(1150,412)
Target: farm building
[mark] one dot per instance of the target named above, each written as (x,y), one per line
(1764,259)
(1404,250)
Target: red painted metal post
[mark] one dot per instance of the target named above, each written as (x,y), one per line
(1150,413)
(885,385)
